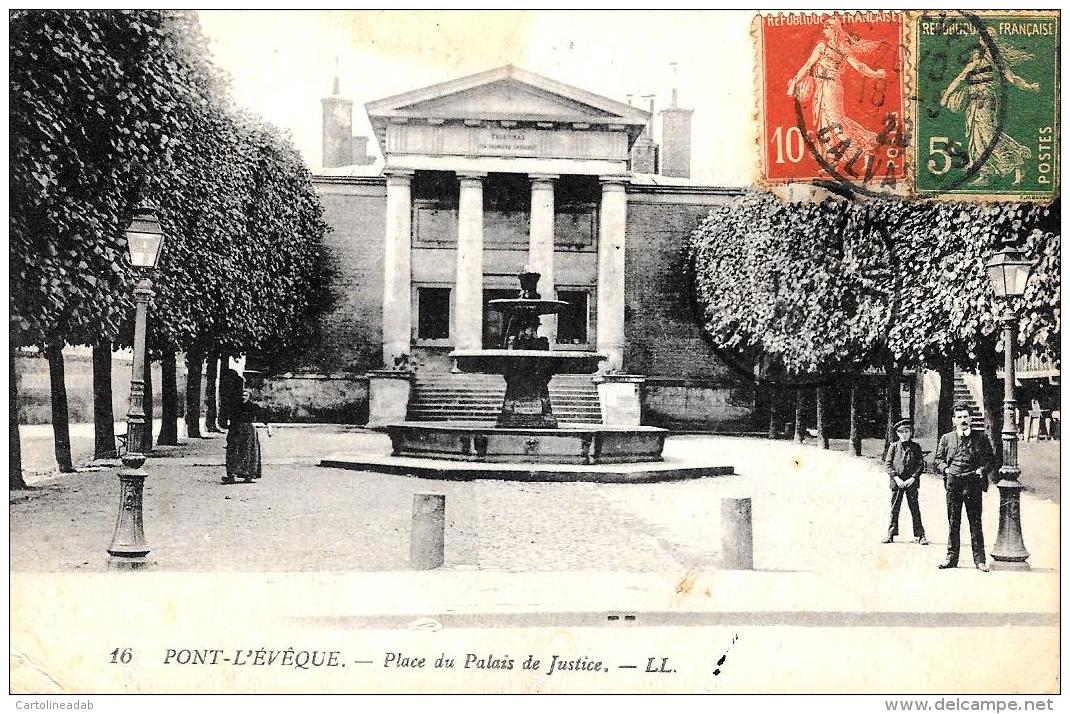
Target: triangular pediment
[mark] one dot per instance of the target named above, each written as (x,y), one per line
(506,93)
(507,97)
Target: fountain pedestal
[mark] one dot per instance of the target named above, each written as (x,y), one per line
(527,399)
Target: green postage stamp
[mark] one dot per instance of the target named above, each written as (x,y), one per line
(985,97)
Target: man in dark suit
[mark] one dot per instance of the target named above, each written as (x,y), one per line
(965,458)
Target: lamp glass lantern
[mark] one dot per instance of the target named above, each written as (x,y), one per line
(1008,271)
(144,238)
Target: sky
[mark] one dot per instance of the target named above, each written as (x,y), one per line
(282,63)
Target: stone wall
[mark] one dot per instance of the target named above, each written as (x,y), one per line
(35,392)
(350,334)
(334,398)
(663,336)
(689,404)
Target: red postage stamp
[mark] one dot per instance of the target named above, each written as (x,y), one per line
(832,99)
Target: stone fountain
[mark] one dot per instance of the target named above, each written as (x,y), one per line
(527,442)
(527,430)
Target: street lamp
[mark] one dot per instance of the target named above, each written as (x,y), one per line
(1008,271)
(144,239)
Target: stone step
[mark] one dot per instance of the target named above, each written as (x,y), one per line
(555,382)
(478,397)
(490,419)
(497,410)
(491,396)
(452,386)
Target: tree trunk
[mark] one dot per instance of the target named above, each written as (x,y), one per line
(992,394)
(14,445)
(800,435)
(193,394)
(856,428)
(891,394)
(103,411)
(821,398)
(150,408)
(211,413)
(168,400)
(945,404)
(774,428)
(60,418)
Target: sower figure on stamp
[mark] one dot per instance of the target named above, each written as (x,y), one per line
(965,458)
(905,463)
(976,88)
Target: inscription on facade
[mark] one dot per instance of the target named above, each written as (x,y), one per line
(493,141)
(453,140)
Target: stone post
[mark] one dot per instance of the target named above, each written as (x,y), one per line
(397,266)
(468,301)
(388,397)
(427,547)
(621,398)
(612,221)
(737,534)
(541,245)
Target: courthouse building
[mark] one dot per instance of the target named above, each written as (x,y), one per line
(478,177)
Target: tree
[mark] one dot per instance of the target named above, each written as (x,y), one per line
(798,283)
(61,430)
(211,413)
(830,288)
(93,98)
(948,312)
(15,479)
(168,400)
(110,108)
(103,412)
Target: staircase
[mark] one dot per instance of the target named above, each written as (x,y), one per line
(963,394)
(478,397)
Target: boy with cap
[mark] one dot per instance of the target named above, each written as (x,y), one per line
(904,463)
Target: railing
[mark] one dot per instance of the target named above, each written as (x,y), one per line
(1033,366)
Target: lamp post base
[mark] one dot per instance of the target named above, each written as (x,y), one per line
(128,543)
(119,562)
(1009,552)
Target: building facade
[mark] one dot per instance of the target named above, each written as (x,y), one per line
(486,174)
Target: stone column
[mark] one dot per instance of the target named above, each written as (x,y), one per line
(468,301)
(397,267)
(612,220)
(541,245)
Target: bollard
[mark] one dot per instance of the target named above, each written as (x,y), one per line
(427,549)
(737,534)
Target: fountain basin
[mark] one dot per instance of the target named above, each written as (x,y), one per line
(566,444)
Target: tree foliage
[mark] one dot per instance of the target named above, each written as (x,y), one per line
(94,98)
(799,282)
(841,285)
(110,108)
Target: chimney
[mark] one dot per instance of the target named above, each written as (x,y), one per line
(675,137)
(337,127)
(360,151)
(644,154)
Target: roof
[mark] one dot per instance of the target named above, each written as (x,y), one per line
(546,100)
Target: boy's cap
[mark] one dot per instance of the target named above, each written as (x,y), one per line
(904,422)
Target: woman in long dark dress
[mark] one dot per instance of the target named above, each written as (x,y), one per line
(243,443)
